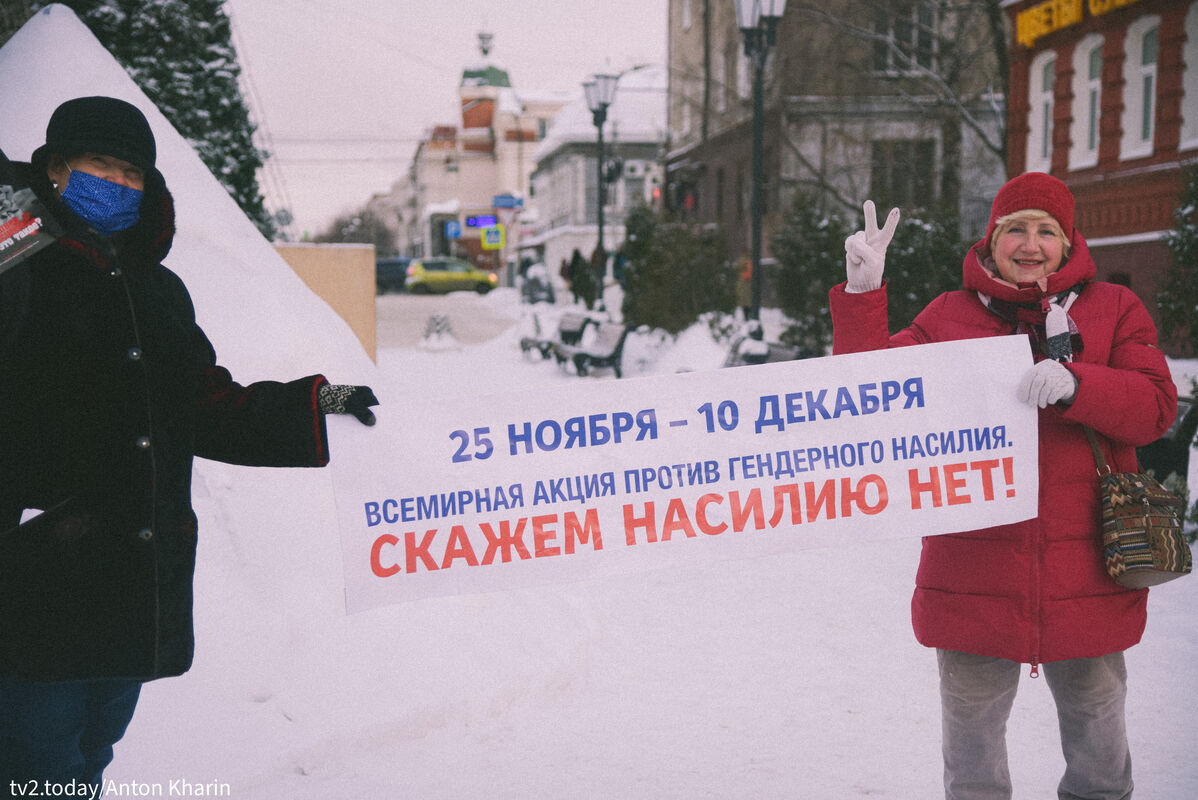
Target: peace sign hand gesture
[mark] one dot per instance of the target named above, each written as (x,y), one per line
(865,251)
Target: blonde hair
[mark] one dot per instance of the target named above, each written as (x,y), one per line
(1002,224)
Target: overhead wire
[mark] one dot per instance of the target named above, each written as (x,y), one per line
(271,174)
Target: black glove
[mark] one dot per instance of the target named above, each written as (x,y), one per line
(340,399)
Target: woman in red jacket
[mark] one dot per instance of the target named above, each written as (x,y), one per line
(1032,592)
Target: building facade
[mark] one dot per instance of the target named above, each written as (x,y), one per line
(1104,95)
(566,180)
(468,177)
(899,102)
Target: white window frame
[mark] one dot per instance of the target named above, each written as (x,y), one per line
(1136,106)
(1189,83)
(1041,104)
(744,76)
(717,75)
(911,17)
(1085,132)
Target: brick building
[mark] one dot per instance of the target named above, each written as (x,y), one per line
(901,102)
(1104,95)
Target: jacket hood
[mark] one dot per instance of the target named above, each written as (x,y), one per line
(1078,268)
(146,243)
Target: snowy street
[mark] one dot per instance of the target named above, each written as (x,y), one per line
(403,318)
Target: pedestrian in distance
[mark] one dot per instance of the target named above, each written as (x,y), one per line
(108,390)
(1032,592)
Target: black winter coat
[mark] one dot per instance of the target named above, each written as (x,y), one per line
(108,389)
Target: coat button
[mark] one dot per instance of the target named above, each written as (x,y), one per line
(145,534)
(143,442)
(133,353)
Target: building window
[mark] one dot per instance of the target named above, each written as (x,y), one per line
(744,76)
(1087,102)
(1139,88)
(717,74)
(1040,96)
(731,76)
(590,191)
(1189,83)
(899,173)
(719,195)
(686,15)
(906,38)
(634,192)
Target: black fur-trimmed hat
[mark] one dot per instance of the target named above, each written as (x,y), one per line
(102,125)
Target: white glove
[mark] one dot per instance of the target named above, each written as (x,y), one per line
(865,251)
(1046,383)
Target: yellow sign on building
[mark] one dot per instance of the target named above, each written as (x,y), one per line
(493,238)
(1044,18)
(1052,15)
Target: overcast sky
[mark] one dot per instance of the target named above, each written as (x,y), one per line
(343,91)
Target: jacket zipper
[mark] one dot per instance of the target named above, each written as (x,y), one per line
(1034,596)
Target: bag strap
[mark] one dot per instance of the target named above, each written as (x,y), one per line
(1099,460)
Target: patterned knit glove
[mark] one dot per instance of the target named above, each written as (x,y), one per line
(340,399)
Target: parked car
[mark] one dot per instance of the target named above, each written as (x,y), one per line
(426,275)
(390,274)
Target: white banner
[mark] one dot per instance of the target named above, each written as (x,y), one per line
(469,494)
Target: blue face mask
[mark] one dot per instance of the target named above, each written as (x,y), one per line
(106,206)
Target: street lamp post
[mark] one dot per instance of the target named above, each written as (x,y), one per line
(758,21)
(600,90)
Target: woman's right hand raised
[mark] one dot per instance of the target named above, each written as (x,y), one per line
(865,251)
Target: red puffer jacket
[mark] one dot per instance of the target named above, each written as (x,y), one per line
(1035,591)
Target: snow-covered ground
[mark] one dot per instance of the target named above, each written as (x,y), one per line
(790,676)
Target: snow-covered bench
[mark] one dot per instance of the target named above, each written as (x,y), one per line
(605,350)
(570,327)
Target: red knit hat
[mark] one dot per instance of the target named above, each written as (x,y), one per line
(1033,190)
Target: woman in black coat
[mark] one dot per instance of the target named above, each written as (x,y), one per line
(108,389)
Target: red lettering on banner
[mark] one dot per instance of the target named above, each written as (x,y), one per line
(701,515)
(752,507)
(587,532)
(677,521)
(825,499)
(541,536)
(507,539)
(919,487)
(632,522)
(419,552)
(459,547)
(953,484)
(948,483)
(376,564)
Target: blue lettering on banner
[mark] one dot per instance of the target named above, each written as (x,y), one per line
(777,412)
(593,430)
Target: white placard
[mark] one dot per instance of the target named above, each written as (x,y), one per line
(461,494)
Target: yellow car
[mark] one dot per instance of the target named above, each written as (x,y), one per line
(427,275)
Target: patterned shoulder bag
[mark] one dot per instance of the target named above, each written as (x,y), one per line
(1143,542)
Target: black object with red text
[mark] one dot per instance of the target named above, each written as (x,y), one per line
(26,226)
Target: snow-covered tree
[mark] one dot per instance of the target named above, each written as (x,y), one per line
(361,227)
(922,261)
(180,53)
(675,274)
(1178,298)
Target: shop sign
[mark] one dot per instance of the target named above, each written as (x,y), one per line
(1053,15)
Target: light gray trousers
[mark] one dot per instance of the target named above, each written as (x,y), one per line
(976,695)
